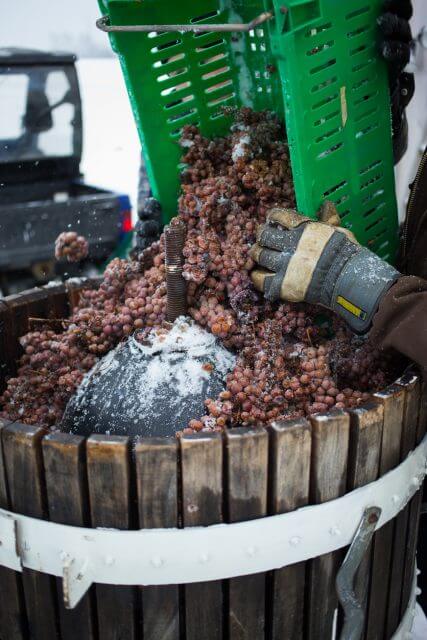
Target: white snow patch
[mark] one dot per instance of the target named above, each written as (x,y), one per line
(240,149)
(186,143)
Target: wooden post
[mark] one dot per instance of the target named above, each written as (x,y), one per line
(24,466)
(290,453)
(330,440)
(246,498)
(201,476)
(13,619)
(66,486)
(411,384)
(366,428)
(393,401)
(157,492)
(109,493)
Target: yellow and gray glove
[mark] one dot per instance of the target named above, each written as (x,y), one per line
(320,263)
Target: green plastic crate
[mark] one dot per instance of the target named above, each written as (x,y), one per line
(315,63)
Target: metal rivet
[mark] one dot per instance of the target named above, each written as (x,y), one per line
(109,561)
(415,481)
(156,562)
(192,508)
(395,499)
(251,551)
(418,572)
(335,531)
(418,591)
(295,541)
(204,558)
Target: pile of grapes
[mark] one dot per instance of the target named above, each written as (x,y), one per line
(289,362)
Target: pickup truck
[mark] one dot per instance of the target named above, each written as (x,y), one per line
(42,191)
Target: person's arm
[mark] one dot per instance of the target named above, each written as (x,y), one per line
(303,260)
(401,320)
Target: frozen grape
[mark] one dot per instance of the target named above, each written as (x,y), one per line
(287,365)
(71,246)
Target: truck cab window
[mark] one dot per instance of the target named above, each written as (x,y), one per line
(40,106)
(13,100)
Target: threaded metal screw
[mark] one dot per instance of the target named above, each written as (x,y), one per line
(174,261)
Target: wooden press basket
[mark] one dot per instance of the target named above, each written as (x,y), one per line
(244,474)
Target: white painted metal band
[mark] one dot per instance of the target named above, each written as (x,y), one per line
(197,554)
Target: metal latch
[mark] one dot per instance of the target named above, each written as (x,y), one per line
(354,621)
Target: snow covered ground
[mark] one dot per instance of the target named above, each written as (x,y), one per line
(111,148)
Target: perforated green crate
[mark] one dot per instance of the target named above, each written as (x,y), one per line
(313,62)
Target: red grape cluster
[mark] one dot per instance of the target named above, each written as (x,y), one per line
(71,246)
(288,364)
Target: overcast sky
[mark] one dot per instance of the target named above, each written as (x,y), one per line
(53,24)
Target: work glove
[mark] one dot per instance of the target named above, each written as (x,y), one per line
(395,47)
(320,263)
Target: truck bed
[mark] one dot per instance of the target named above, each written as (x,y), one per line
(32,216)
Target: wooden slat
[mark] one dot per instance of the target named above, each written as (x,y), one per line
(393,401)
(24,467)
(75,286)
(414,512)
(290,454)
(366,427)
(8,352)
(422,535)
(201,476)
(65,473)
(57,301)
(16,325)
(109,491)
(246,499)
(157,491)
(13,619)
(31,303)
(330,440)
(411,384)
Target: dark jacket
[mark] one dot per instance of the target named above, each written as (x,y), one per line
(401,320)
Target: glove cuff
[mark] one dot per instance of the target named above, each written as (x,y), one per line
(359,288)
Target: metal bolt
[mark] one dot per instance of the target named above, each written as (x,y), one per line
(156,562)
(295,541)
(373,518)
(335,531)
(422,37)
(204,558)
(251,551)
